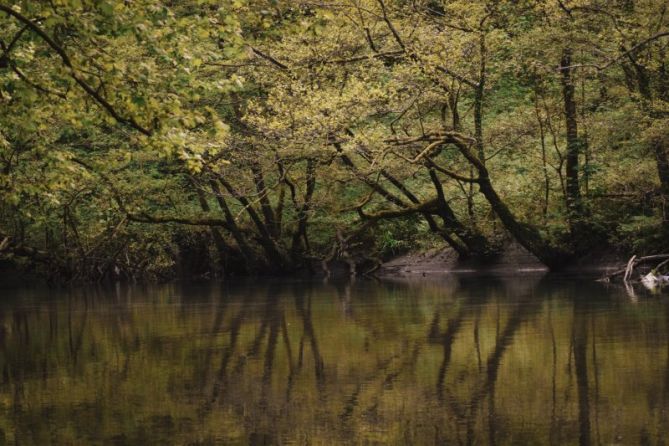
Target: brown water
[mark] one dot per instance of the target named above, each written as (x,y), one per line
(518,361)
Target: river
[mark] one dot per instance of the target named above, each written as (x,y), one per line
(454,360)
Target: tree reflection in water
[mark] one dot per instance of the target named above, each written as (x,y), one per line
(451,361)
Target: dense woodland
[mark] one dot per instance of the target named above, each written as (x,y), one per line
(146,138)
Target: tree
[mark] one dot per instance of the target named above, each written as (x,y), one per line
(263,137)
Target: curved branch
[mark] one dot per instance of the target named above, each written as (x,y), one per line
(457,76)
(392,28)
(270,59)
(425,207)
(459,140)
(425,152)
(34,85)
(7,49)
(621,56)
(452,174)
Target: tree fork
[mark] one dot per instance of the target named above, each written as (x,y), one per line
(525,234)
(266,241)
(222,247)
(477,244)
(246,252)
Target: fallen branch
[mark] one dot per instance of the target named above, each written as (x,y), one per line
(628,270)
(633,263)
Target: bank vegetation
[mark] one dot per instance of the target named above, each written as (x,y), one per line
(147,139)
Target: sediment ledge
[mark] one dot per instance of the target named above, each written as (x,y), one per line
(514,260)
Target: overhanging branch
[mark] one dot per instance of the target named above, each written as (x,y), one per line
(92,92)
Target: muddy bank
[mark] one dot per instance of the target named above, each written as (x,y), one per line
(514,260)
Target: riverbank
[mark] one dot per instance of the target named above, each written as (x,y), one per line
(514,260)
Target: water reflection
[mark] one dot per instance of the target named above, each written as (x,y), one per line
(494,361)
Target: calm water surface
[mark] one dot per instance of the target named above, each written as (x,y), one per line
(521,360)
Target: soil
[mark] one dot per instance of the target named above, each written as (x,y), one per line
(513,260)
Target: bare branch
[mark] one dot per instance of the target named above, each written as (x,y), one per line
(459,77)
(425,152)
(34,85)
(270,58)
(425,207)
(7,49)
(398,39)
(452,174)
(621,56)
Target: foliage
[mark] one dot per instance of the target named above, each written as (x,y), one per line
(262,135)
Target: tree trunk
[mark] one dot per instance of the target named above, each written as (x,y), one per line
(265,206)
(658,145)
(303,212)
(266,241)
(573,198)
(544,162)
(526,235)
(244,249)
(478,100)
(477,245)
(662,162)
(223,249)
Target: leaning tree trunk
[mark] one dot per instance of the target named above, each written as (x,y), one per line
(477,244)
(245,250)
(528,236)
(263,198)
(467,242)
(224,250)
(525,234)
